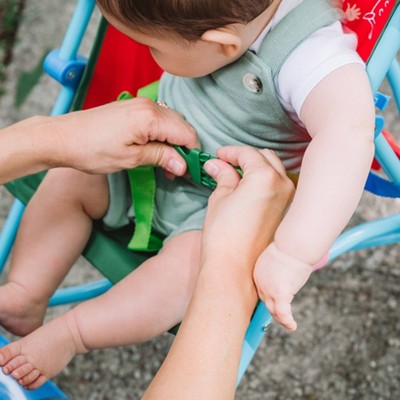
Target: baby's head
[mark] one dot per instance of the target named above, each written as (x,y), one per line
(191,37)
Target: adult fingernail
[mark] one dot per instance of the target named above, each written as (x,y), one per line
(175,166)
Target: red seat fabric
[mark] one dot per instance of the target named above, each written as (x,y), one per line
(122,64)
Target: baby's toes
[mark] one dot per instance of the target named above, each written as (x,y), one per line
(30,378)
(22,371)
(9,352)
(37,383)
(15,363)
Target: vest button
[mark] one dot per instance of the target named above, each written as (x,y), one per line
(252,83)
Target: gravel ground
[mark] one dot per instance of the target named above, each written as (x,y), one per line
(347,345)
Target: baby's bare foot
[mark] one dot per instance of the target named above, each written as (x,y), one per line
(42,354)
(20,312)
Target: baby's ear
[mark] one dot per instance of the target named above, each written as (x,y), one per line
(227,38)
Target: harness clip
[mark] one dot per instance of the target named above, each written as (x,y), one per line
(195,160)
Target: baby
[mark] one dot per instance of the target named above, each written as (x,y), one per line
(278,74)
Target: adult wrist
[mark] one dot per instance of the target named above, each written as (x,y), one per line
(55,149)
(36,143)
(234,285)
(29,141)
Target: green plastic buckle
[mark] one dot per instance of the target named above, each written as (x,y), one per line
(195,160)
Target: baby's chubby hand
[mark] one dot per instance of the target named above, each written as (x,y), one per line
(278,277)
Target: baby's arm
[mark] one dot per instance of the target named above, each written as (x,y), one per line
(339,115)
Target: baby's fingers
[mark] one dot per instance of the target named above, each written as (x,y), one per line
(281,311)
(283,314)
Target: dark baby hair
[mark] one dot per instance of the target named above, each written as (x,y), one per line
(188,19)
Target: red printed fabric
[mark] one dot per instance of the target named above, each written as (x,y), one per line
(367,18)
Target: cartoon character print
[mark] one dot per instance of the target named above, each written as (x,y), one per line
(376,11)
(351,11)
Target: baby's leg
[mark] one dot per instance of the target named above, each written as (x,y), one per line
(149,301)
(53,232)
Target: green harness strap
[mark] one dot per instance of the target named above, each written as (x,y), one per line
(142,182)
(143,189)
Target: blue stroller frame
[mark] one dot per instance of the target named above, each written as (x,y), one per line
(66,66)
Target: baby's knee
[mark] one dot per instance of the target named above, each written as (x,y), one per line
(74,190)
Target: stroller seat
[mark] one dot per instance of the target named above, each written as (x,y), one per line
(377,24)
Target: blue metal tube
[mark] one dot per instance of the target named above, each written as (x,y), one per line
(79,293)
(393,77)
(254,335)
(9,231)
(384,240)
(69,49)
(63,101)
(364,233)
(386,49)
(387,158)
(76,29)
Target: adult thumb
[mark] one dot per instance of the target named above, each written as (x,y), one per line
(163,155)
(223,173)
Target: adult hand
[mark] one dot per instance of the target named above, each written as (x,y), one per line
(117,136)
(243,214)
(122,135)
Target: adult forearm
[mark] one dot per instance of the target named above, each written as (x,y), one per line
(26,148)
(214,326)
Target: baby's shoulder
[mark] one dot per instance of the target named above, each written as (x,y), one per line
(326,48)
(322,52)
